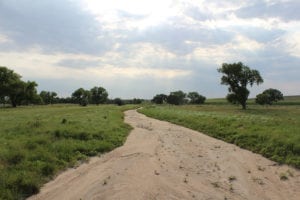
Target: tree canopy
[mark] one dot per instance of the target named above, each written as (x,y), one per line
(196,98)
(98,95)
(15,90)
(179,98)
(237,76)
(176,98)
(48,97)
(81,96)
(159,98)
(269,96)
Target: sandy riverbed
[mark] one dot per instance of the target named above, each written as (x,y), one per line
(164,161)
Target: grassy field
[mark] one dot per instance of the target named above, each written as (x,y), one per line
(288,100)
(272,131)
(38,142)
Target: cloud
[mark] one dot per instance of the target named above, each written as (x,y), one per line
(285,10)
(78,63)
(291,42)
(54,26)
(140,48)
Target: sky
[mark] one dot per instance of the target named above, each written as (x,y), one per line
(140,48)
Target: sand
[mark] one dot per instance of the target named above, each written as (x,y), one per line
(164,161)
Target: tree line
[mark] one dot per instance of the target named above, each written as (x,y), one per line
(15,91)
(179,98)
(236,76)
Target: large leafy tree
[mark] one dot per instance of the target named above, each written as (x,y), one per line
(98,95)
(118,101)
(48,97)
(196,98)
(176,98)
(30,93)
(238,76)
(8,80)
(16,90)
(81,96)
(269,96)
(159,98)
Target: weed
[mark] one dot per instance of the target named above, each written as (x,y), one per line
(185,180)
(231,178)
(260,168)
(105,182)
(283,176)
(216,184)
(15,157)
(64,121)
(290,173)
(258,180)
(35,124)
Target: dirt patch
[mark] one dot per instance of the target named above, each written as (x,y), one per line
(164,161)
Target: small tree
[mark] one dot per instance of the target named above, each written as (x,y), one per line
(98,95)
(269,96)
(176,98)
(159,98)
(196,98)
(237,76)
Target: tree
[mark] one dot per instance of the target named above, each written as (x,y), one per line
(81,96)
(269,96)
(9,82)
(98,95)
(196,98)
(48,97)
(30,93)
(118,101)
(176,98)
(159,98)
(237,76)
(137,101)
(14,89)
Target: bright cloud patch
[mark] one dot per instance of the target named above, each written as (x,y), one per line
(292,42)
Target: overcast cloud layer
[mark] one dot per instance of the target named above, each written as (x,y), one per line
(139,48)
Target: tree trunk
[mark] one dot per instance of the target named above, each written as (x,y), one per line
(244,105)
(14,104)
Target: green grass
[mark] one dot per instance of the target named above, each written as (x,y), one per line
(272,131)
(288,100)
(38,142)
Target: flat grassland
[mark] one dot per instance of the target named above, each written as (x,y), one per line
(272,131)
(38,142)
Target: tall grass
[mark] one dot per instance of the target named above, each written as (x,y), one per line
(38,142)
(272,131)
